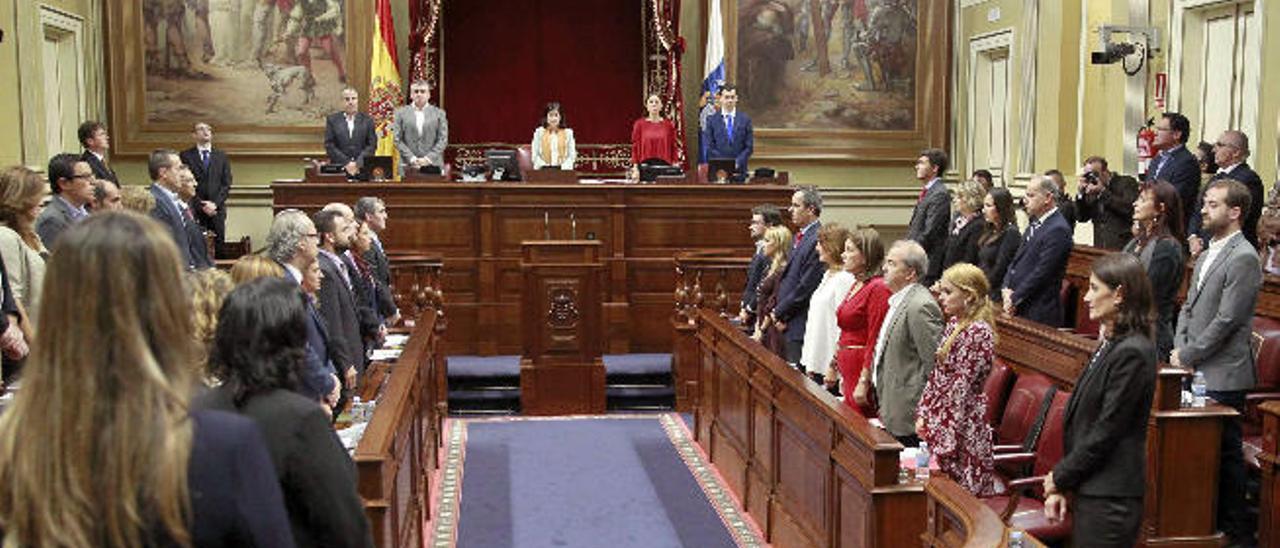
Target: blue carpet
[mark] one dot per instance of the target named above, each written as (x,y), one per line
(509,366)
(614,483)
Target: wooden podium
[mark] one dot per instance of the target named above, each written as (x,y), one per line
(562,370)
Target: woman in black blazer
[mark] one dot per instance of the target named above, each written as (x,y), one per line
(1102,475)
(1157,243)
(257,351)
(1000,239)
(968,226)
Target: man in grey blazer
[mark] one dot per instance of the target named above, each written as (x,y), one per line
(904,351)
(71,180)
(1214,330)
(421,131)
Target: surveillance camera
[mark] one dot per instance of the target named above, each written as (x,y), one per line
(1112,53)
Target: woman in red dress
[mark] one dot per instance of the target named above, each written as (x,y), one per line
(859,316)
(652,136)
(950,414)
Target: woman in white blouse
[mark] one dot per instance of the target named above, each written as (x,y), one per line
(553,141)
(21,191)
(821,331)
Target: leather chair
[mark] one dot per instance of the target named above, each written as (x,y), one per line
(702,173)
(1022,507)
(996,390)
(524,157)
(1021,410)
(233,250)
(1266,360)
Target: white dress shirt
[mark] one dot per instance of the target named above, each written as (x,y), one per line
(1211,254)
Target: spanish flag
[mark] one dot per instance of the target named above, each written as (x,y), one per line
(384,80)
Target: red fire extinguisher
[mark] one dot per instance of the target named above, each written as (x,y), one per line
(1146,146)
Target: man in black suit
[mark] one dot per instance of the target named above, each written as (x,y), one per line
(71,180)
(1106,199)
(1033,285)
(165,170)
(93,135)
(201,257)
(373,212)
(292,242)
(349,136)
(1065,206)
(763,217)
(801,276)
(336,296)
(932,214)
(212,170)
(1230,154)
(1175,163)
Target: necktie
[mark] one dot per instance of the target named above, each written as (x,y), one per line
(799,236)
(204,157)
(186,214)
(923,191)
(728,124)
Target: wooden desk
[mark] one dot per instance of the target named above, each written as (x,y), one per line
(399,451)
(477,229)
(1269,459)
(809,470)
(957,519)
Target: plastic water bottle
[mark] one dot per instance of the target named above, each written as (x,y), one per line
(1015,539)
(1198,389)
(357,410)
(922,462)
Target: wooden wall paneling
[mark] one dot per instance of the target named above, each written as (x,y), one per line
(1269,460)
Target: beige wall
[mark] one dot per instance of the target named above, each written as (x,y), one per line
(1079,108)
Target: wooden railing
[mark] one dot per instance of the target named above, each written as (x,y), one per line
(416,285)
(1269,460)
(704,279)
(399,450)
(957,519)
(808,470)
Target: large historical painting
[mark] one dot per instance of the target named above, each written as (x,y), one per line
(243,61)
(851,70)
(850,63)
(264,72)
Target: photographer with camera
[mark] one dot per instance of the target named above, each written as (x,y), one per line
(1105,199)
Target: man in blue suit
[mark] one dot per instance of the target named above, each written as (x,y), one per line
(802,274)
(728,133)
(1175,163)
(1033,285)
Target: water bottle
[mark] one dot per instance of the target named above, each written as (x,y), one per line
(1198,389)
(922,462)
(357,410)
(1015,539)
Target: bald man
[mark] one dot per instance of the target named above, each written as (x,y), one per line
(1230,152)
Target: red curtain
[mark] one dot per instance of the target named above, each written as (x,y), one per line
(505,59)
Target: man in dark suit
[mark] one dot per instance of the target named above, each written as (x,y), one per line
(1033,285)
(763,217)
(349,136)
(802,275)
(292,242)
(1214,335)
(212,170)
(373,212)
(932,214)
(1175,163)
(728,133)
(165,170)
(1230,154)
(1106,199)
(93,135)
(1065,206)
(71,180)
(907,341)
(201,255)
(336,296)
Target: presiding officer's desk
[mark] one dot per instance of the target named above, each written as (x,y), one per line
(478,228)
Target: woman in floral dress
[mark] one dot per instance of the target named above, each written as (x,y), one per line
(950,415)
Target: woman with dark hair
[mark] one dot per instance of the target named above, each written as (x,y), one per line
(653,136)
(21,191)
(122,460)
(1204,157)
(258,350)
(1157,242)
(1000,240)
(553,144)
(1102,475)
(821,331)
(859,316)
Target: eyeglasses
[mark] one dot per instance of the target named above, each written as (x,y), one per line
(1222,144)
(81,176)
(313,235)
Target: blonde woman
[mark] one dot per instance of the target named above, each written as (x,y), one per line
(253,266)
(950,414)
(777,245)
(137,199)
(968,226)
(21,191)
(209,287)
(124,462)
(821,331)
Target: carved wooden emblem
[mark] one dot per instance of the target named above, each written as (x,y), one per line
(563,313)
